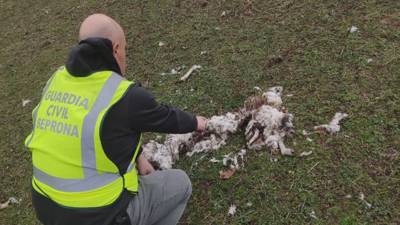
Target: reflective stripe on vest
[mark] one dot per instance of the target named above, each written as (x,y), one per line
(92,187)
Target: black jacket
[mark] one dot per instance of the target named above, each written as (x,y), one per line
(136,112)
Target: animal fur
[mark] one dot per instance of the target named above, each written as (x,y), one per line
(267,126)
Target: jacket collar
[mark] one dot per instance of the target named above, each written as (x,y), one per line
(92,55)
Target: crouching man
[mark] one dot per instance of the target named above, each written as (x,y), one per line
(86,137)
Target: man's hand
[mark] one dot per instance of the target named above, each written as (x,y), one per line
(143,166)
(201,123)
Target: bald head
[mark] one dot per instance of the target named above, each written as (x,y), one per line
(102,26)
(99,25)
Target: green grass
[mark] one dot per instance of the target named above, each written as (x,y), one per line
(304,46)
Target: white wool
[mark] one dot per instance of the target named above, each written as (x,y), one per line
(10,200)
(269,118)
(277,90)
(273,160)
(173,71)
(234,158)
(249,204)
(232,210)
(369,60)
(268,127)
(272,141)
(227,158)
(353,29)
(206,145)
(161,43)
(168,153)
(15,200)
(235,162)
(273,99)
(242,153)
(333,126)
(223,125)
(309,139)
(25,102)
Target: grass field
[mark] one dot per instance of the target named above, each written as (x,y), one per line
(304,46)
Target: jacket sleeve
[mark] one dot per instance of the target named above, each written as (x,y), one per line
(147,115)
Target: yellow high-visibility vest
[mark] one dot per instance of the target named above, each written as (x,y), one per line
(69,163)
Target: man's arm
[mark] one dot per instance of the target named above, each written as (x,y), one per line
(147,115)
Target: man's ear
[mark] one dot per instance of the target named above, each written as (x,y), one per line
(115,48)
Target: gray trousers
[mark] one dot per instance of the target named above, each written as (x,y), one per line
(161,198)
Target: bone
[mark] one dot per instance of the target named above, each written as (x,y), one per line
(333,126)
(186,76)
(305,133)
(312,215)
(284,150)
(306,153)
(255,136)
(362,198)
(276,125)
(257,88)
(214,160)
